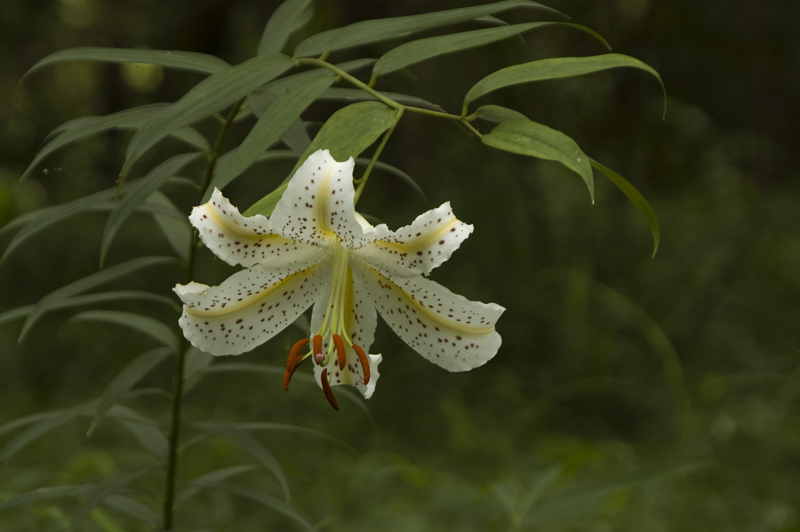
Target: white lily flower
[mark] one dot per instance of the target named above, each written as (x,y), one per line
(316,249)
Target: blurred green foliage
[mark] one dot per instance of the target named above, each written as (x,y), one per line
(630,393)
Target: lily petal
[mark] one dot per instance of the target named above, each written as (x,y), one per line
(235,238)
(423,245)
(318,204)
(446,328)
(251,306)
(361,321)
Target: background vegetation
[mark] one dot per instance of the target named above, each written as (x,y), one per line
(630,393)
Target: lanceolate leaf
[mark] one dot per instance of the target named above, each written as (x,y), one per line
(357,95)
(206,64)
(129,119)
(145,324)
(89,299)
(281,25)
(173,223)
(42,427)
(249,444)
(496,114)
(133,508)
(392,170)
(271,155)
(43,494)
(636,198)
(371,31)
(136,194)
(284,110)
(210,96)
(536,140)
(347,133)
(126,379)
(99,492)
(195,485)
(144,429)
(89,282)
(423,49)
(559,67)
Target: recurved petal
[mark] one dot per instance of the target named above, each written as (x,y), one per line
(318,204)
(446,328)
(421,246)
(235,238)
(250,307)
(361,321)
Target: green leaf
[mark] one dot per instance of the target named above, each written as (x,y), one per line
(27,420)
(210,96)
(134,118)
(195,62)
(284,427)
(194,362)
(424,49)
(138,193)
(145,324)
(347,133)
(246,367)
(266,500)
(133,372)
(636,198)
(271,155)
(43,426)
(392,170)
(536,140)
(43,494)
(249,444)
(144,429)
(99,492)
(372,31)
(284,110)
(358,95)
(174,224)
(195,485)
(559,67)
(89,282)
(281,25)
(133,508)
(496,114)
(90,299)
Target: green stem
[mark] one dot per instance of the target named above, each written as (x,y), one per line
(352,79)
(172,455)
(363,180)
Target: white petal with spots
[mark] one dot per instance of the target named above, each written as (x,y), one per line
(421,246)
(318,204)
(235,238)
(250,307)
(446,328)
(360,323)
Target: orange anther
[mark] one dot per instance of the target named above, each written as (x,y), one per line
(326,387)
(340,352)
(362,357)
(287,376)
(319,358)
(294,351)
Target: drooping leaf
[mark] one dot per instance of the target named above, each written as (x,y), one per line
(636,198)
(90,299)
(249,444)
(136,194)
(210,96)
(134,118)
(145,324)
(133,508)
(392,170)
(284,427)
(25,421)
(372,31)
(559,67)
(357,95)
(192,61)
(284,110)
(102,490)
(266,500)
(87,283)
(281,25)
(423,49)
(247,367)
(496,114)
(43,494)
(347,133)
(125,380)
(195,485)
(144,429)
(536,140)
(195,360)
(271,155)
(43,426)
(175,225)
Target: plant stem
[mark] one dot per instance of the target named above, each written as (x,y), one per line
(363,181)
(172,456)
(352,79)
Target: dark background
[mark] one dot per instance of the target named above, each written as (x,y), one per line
(637,393)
